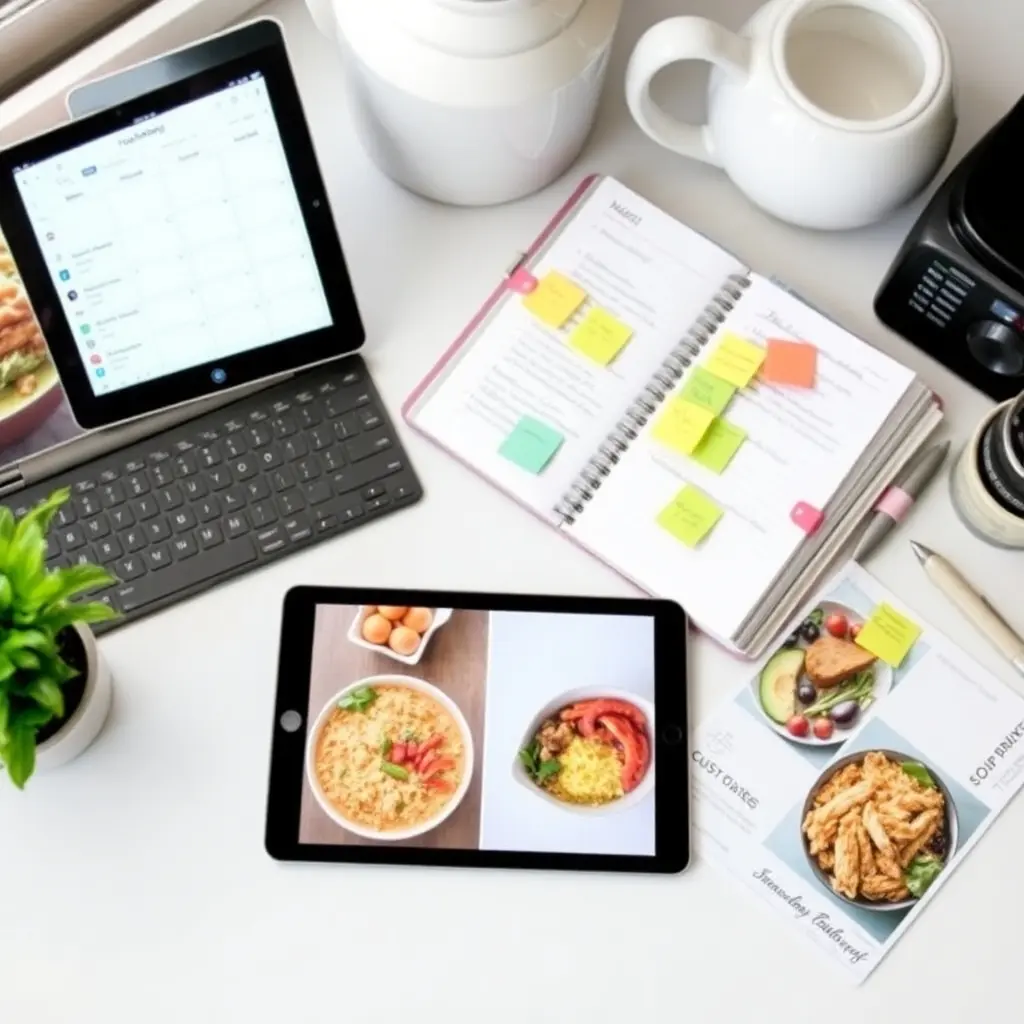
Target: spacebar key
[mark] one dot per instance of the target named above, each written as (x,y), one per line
(157,585)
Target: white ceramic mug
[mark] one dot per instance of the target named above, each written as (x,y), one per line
(826,113)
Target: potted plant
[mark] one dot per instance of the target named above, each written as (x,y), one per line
(55,689)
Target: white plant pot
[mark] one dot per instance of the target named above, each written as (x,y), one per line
(85,724)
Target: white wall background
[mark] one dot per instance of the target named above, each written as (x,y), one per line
(533,659)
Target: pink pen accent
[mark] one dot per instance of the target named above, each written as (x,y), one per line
(807,517)
(522,281)
(895,503)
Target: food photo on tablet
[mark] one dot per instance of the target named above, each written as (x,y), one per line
(446,728)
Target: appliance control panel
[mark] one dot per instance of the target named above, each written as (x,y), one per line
(959,318)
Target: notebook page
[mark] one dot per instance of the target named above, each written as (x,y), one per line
(654,274)
(801,445)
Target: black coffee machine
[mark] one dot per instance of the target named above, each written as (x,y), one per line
(956,289)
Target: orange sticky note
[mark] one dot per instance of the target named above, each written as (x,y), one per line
(794,363)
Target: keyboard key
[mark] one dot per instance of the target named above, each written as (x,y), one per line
(71,538)
(157,529)
(290,502)
(233,426)
(134,540)
(219,478)
(210,536)
(244,469)
(52,547)
(183,519)
(322,437)
(137,484)
(334,459)
(112,494)
(270,540)
(134,466)
(129,569)
(216,562)
(183,446)
(318,492)
(235,445)
(307,416)
(185,465)
(268,458)
(257,416)
(393,466)
(348,426)
(328,522)
(194,487)
(145,508)
(233,499)
(260,435)
(83,486)
(304,397)
(308,469)
(360,475)
(171,498)
(283,478)
(87,505)
(159,455)
(108,476)
(257,489)
(158,557)
(237,525)
(369,444)
(298,528)
(399,492)
(280,406)
(295,447)
(83,557)
(96,527)
(65,516)
(262,514)
(209,456)
(377,503)
(346,400)
(184,547)
(109,549)
(162,474)
(208,437)
(374,491)
(208,509)
(283,426)
(348,510)
(370,419)
(350,378)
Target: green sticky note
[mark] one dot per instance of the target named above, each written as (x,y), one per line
(531,445)
(600,337)
(707,390)
(682,425)
(689,516)
(719,445)
(888,635)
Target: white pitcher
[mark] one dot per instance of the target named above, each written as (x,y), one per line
(472,101)
(826,113)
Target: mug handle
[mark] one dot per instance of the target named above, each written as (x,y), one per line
(670,41)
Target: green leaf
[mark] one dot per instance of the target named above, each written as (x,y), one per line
(396,771)
(6,592)
(47,694)
(918,773)
(547,769)
(33,639)
(6,526)
(385,746)
(5,717)
(75,580)
(7,668)
(41,515)
(27,660)
(19,754)
(30,718)
(923,870)
(26,555)
(358,700)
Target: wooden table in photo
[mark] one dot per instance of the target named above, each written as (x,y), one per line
(455,661)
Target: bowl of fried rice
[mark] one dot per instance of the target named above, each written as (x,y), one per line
(878,828)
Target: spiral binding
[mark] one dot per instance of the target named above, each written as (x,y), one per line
(646,403)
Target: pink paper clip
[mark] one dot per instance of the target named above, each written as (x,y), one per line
(522,281)
(807,517)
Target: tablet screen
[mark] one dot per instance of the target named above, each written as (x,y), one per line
(470,729)
(178,239)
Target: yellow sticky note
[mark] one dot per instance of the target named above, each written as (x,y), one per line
(689,516)
(600,336)
(682,425)
(719,445)
(555,299)
(735,359)
(888,635)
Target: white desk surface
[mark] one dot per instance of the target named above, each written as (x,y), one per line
(135,885)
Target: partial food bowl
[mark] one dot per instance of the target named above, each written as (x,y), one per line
(950,825)
(446,811)
(552,708)
(438,617)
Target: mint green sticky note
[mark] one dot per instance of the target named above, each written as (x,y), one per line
(531,445)
(719,445)
(707,390)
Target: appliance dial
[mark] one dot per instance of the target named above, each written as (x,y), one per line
(997,346)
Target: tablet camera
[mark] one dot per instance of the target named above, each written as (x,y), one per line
(218,376)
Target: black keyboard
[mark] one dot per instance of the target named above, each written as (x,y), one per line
(231,490)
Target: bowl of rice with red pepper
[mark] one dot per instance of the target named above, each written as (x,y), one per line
(389,757)
(590,751)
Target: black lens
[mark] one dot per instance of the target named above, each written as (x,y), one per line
(998,462)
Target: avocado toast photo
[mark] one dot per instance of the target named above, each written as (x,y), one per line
(816,687)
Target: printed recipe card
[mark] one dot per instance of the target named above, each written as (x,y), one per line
(822,786)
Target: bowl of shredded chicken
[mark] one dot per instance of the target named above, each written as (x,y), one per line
(389,757)
(589,751)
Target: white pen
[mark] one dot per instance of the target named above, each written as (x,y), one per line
(974,605)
